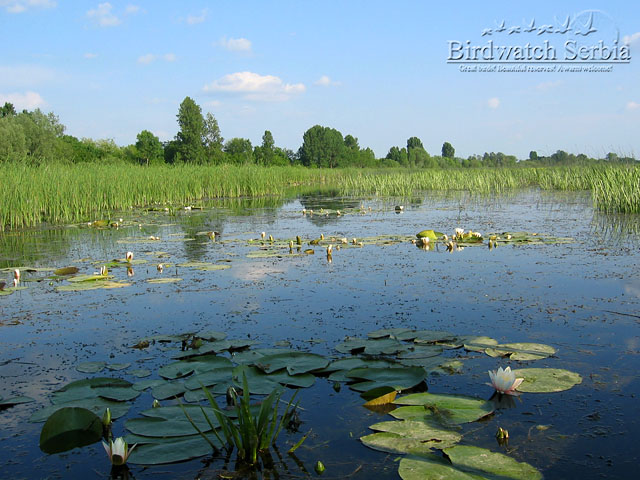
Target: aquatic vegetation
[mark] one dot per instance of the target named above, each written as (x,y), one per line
(118,451)
(253,433)
(504,381)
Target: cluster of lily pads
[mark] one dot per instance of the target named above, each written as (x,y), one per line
(386,363)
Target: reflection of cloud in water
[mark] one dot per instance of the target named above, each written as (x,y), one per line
(254,271)
(633,288)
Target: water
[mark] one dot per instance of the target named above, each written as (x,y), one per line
(582,298)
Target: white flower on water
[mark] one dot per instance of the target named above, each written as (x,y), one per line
(118,451)
(504,381)
(459,232)
(129,256)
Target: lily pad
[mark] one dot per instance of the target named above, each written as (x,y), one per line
(200,364)
(161,427)
(97,405)
(178,450)
(69,428)
(139,373)
(521,351)
(66,271)
(398,378)
(167,390)
(164,280)
(388,332)
(394,443)
(478,344)
(10,402)
(442,407)
(546,380)
(91,367)
(294,362)
(410,436)
(82,286)
(212,377)
(477,460)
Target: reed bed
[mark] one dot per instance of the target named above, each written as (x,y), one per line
(64,194)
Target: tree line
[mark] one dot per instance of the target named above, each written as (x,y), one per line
(34,137)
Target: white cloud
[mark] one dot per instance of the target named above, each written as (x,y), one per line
(633,38)
(103,15)
(493,102)
(325,81)
(131,9)
(194,19)
(146,59)
(253,86)
(90,55)
(24,76)
(235,44)
(633,106)
(27,100)
(151,57)
(20,6)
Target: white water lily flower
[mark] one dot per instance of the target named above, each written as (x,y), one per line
(16,276)
(459,232)
(118,451)
(160,267)
(504,381)
(129,256)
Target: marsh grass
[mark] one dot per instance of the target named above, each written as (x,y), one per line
(65,194)
(253,433)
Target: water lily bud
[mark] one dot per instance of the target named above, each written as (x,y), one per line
(338,213)
(120,220)
(106,417)
(263,234)
(319,467)
(271,238)
(298,240)
(354,241)
(160,267)
(304,211)
(129,256)
(322,236)
(16,275)
(502,434)
(156,403)
(104,271)
(15,282)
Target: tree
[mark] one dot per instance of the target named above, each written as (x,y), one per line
(414,142)
(447,150)
(533,155)
(322,147)
(212,139)
(149,149)
(239,150)
(191,134)
(7,110)
(264,154)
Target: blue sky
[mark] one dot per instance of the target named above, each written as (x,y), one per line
(374,69)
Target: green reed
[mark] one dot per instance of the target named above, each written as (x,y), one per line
(62,193)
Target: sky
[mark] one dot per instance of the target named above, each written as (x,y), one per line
(377,70)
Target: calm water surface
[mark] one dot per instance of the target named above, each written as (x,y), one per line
(582,298)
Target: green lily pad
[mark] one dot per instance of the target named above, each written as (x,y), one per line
(164,280)
(442,407)
(478,344)
(410,436)
(97,405)
(200,364)
(421,351)
(91,367)
(211,336)
(388,332)
(429,234)
(118,366)
(294,362)
(546,380)
(352,345)
(481,460)
(139,373)
(398,378)
(144,384)
(384,346)
(179,450)
(160,427)
(167,390)
(69,428)
(342,375)
(432,336)
(90,388)
(431,467)
(89,278)
(11,401)
(521,351)
(66,271)
(95,285)
(212,377)
(249,357)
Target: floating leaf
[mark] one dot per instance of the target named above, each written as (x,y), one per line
(394,443)
(69,428)
(428,434)
(118,366)
(213,377)
(432,336)
(521,351)
(10,402)
(140,373)
(178,450)
(421,351)
(398,378)
(388,332)
(443,407)
(546,380)
(66,271)
(200,364)
(294,362)
(478,344)
(91,367)
(167,390)
(379,396)
(97,405)
(481,460)
(164,280)
(429,234)
(161,427)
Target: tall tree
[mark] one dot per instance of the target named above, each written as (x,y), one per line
(414,142)
(149,148)
(7,110)
(191,134)
(239,150)
(213,141)
(447,150)
(322,147)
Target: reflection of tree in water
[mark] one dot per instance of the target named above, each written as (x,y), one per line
(327,200)
(262,212)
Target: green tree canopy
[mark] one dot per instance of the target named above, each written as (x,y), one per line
(149,149)
(213,141)
(447,150)
(322,147)
(191,133)
(239,151)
